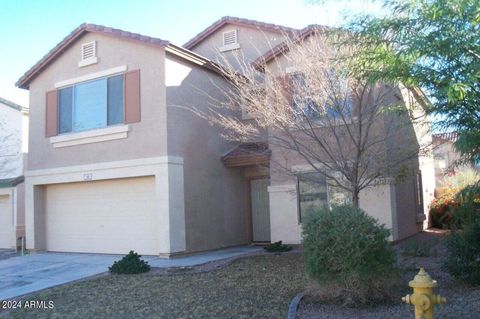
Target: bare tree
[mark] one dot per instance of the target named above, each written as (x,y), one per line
(353,133)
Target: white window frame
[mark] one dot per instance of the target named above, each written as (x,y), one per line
(96,131)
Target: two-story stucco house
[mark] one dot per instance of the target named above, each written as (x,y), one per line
(119,159)
(13,130)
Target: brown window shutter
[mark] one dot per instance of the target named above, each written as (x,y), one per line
(132,96)
(51,114)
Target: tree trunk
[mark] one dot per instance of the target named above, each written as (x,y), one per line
(355,198)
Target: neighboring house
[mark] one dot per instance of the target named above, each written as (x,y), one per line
(445,157)
(120,160)
(13,128)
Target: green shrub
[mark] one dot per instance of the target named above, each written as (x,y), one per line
(348,254)
(463,260)
(463,245)
(277,247)
(130,264)
(468,212)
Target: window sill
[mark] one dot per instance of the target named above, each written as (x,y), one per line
(229,47)
(94,136)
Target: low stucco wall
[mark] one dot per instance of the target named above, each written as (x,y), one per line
(284,221)
(378,201)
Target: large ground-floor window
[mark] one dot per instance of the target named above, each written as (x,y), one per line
(316,190)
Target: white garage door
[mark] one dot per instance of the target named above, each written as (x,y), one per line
(6,222)
(112,216)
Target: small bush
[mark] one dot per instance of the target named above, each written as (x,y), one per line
(277,247)
(348,254)
(463,260)
(130,264)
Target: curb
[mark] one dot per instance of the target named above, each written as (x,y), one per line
(292,308)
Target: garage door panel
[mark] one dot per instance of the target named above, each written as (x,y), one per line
(112,216)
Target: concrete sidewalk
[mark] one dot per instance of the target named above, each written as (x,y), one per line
(26,274)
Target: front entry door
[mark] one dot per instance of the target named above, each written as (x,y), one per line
(260,210)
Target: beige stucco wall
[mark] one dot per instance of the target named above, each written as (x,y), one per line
(145,139)
(253,43)
(215,196)
(421,134)
(406,209)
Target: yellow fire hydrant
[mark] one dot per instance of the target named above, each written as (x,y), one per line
(423,298)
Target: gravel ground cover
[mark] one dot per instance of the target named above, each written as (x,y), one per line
(462,301)
(255,287)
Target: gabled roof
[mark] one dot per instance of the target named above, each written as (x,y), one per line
(11,104)
(25,80)
(240,22)
(285,45)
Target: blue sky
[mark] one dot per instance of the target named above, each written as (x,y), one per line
(30,28)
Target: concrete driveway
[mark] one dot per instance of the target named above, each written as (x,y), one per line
(26,274)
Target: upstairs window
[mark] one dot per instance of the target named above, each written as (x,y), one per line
(303,102)
(91,105)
